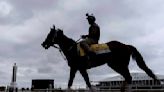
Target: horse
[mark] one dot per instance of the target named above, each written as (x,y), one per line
(118,58)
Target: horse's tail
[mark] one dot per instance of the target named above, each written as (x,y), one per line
(140,62)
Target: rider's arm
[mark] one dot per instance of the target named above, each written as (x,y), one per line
(84,36)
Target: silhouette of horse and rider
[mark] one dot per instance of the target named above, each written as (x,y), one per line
(81,56)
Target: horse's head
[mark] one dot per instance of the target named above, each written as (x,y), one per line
(53,37)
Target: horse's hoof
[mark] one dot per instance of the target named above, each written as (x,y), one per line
(69,90)
(92,89)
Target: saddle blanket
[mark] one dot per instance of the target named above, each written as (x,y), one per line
(97,48)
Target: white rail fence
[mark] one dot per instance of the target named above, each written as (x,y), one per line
(110,90)
(84,90)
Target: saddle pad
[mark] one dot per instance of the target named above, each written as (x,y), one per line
(97,48)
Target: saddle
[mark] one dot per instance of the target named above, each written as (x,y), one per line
(96,48)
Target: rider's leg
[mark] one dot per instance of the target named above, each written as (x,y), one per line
(85,44)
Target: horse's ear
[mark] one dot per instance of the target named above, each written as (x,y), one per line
(53,26)
(53,29)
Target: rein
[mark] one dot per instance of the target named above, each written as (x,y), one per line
(61,52)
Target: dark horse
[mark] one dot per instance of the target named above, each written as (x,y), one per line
(118,59)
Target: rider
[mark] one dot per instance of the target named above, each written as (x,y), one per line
(92,37)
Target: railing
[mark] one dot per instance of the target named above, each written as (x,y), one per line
(85,90)
(108,90)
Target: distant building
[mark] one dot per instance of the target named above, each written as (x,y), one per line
(139,81)
(13,84)
(42,84)
(2,88)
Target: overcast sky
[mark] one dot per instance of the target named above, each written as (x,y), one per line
(24,24)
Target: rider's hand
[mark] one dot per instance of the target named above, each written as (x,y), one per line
(83,36)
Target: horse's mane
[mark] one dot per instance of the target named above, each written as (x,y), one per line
(69,40)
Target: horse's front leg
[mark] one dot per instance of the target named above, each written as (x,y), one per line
(86,78)
(71,77)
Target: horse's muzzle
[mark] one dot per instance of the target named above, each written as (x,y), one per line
(45,45)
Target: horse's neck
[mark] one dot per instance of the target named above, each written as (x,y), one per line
(66,44)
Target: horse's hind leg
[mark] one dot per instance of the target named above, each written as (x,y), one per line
(128,79)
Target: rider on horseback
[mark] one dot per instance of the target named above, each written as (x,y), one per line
(92,37)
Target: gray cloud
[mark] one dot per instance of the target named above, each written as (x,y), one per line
(20,11)
(25,24)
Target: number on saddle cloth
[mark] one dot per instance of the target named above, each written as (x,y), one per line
(97,48)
